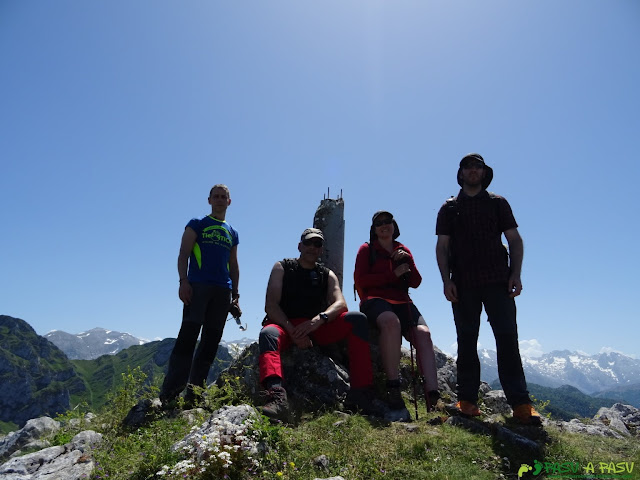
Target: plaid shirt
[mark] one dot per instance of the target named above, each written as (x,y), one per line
(475,225)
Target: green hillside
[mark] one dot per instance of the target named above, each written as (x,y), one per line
(36,377)
(628,394)
(103,375)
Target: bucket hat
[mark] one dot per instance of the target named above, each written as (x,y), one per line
(476,157)
(372,231)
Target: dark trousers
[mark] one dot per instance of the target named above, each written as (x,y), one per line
(207,312)
(350,325)
(501,313)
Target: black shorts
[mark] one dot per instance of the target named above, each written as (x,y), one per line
(407,313)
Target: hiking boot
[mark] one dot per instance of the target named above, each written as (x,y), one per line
(277,406)
(190,400)
(363,399)
(526,414)
(432,398)
(468,408)
(394,398)
(168,402)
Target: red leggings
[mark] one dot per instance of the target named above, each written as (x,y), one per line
(350,325)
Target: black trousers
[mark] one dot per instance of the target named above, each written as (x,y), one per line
(207,312)
(501,313)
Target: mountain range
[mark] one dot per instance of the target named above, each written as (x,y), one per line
(605,375)
(91,344)
(609,375)
(96,342)
(39,378)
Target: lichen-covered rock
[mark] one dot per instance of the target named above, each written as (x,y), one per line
(34,431)
(72,461)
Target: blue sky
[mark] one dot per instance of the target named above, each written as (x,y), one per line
(117,117)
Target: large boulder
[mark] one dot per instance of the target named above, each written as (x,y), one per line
(318,377)
(616,422)
(32,435)
(313,380)
(226,432)
(72,461)
(623,418)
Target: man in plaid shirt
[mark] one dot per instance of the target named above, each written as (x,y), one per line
(476,271)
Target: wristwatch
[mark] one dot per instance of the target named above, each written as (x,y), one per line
(324,317)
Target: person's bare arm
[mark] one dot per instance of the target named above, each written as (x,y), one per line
(234,273)
(274,295)
(516,254)
(442,257)
(186,246)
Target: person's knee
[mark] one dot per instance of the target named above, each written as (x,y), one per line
(388,322)
(268,339)
(424,334)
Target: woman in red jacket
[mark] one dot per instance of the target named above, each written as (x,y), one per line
(384,272)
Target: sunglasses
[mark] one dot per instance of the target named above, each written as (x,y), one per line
(316,242)
(385,221)
(477,165)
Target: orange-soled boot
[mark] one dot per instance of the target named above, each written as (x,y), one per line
(468,408)
(526,414)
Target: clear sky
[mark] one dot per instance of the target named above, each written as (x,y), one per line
(117,117)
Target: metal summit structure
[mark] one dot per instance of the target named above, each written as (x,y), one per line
(329,218)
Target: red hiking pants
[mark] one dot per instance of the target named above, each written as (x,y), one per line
(350,325)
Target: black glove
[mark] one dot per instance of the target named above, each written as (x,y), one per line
(234,310)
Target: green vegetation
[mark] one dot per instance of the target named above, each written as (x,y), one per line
(6,427)
(356,447)
(102,375)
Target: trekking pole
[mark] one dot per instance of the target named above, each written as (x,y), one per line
(423,382)
(413,380)
(405,278)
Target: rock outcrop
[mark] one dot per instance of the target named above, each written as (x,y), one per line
(72,461)
(30,437)
(318,378)
(618,421)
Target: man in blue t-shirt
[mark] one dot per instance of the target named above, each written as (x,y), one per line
(209,275)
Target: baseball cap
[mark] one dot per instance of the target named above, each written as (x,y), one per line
(312,233)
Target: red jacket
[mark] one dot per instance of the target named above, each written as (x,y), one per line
(378,280)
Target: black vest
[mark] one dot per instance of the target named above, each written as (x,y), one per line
(304,291)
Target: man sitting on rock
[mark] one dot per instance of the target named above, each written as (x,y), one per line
(305,306)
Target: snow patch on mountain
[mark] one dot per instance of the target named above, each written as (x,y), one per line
(588,373)
(92,343)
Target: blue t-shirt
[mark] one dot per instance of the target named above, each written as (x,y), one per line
(209,260)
